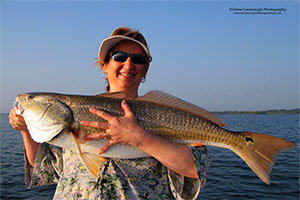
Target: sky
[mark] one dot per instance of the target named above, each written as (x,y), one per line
(203,51)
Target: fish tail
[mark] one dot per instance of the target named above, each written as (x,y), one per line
(261,151)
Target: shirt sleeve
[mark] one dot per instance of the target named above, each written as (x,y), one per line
(47,168)
(189,188)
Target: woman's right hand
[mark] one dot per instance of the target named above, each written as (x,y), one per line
(17,121)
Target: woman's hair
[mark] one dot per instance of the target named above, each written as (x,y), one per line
(125,31)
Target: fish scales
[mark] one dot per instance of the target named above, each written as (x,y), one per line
(175,124)
(162,114)
(179,126)
(172,123)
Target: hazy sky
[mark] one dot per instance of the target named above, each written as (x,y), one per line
(202,51)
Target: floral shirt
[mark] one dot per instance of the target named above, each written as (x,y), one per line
(142,178)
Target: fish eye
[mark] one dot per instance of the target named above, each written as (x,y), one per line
(31,96)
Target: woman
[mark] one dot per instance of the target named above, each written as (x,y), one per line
(174,170)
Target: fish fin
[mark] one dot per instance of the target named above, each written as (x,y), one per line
(197,145)
(91,161)
(165,99)
(261,151)
(117,95)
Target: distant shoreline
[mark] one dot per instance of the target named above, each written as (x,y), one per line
(281,111)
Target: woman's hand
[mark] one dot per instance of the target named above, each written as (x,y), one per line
(118,130)
(17,121)
(126,130)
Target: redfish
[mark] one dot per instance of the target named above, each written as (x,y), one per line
(55,119)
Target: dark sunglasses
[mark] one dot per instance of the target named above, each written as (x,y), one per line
(138,59)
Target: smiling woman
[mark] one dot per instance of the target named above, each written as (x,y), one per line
(173,171)
(115,52)
(125,75)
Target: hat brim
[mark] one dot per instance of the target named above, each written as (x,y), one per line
(110,42)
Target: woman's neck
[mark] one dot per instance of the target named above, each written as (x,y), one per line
(128,93)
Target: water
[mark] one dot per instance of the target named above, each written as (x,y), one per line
(229,177)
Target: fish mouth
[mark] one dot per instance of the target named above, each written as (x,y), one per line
(18,108)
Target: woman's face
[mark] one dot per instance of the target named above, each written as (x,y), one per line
(125,76)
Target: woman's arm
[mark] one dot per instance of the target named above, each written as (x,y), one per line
(126,130)
(18,123)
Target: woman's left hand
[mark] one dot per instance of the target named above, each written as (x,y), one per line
(118,130)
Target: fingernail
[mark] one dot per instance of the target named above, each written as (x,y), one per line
(100,151)
(83,122)
(92,109)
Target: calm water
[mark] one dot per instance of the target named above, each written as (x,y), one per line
(229,178)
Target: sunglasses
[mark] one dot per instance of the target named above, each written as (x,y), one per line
(138,59)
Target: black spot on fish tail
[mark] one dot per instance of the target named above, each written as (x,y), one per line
(249,139)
